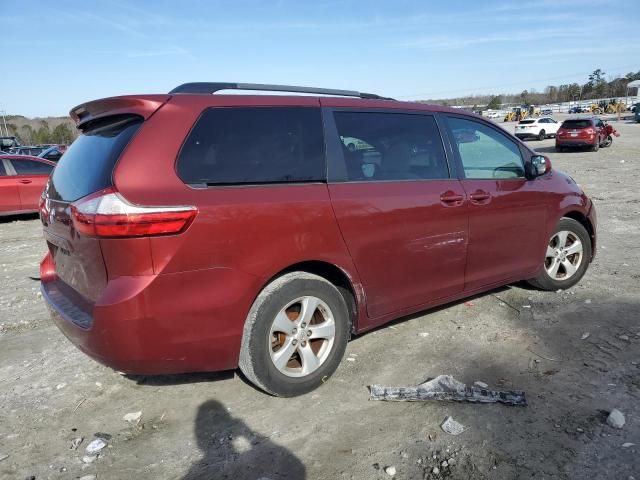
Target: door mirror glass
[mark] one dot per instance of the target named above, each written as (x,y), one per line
(539,165)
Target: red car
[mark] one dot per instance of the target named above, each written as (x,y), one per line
(197,231)
(583,132)
(22,179)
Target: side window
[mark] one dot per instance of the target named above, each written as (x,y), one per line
(390,146)
(29,167)
(255,145)
(485,153)
(3,172)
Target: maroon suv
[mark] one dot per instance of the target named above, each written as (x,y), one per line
(197,231)
(588,132)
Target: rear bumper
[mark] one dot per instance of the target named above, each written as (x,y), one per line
(523,135)
(158,324)
(574,142)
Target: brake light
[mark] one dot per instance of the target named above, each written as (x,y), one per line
(107,214)
(589,131)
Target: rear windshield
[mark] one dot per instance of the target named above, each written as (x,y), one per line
(527,122)
(88,163)
(576,124)
(230,146)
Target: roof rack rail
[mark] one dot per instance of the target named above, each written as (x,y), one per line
(212,87)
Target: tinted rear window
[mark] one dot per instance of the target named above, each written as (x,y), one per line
(31,167)
(576,124)
(88,163)
(254,145)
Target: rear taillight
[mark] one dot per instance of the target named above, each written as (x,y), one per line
(107,214)
(589,131)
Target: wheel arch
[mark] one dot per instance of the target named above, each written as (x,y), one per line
(586,223)
(346,284)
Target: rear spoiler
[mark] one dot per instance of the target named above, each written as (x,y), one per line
(142,105)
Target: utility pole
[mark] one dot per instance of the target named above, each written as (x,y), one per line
(4,120)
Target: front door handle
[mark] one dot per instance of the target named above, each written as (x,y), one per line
(24,181)
(451,198)
(480,197)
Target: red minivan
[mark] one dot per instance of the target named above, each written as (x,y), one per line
(198,231)
(22,179)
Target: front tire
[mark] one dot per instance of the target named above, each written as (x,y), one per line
(295,335)
(567,257)
(541,135)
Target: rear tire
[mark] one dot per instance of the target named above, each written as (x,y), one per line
(567,257)
(608,141)
(306,319)
(559,149)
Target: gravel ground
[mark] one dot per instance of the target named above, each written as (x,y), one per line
(575,353)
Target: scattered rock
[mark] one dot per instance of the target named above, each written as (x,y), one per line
(390,470)
(452,427)
(89,458)
(585,335)
(580,430)
(3,456)
(435,470)
(423,334)
(95,446)
(75,443)
(88,477)
(616,419)
(481,384)
(444,464)
(624,337)
(452,461)
(351,359)
(404,455)
(133,417)
(60,386)
(588,300)
(628,444)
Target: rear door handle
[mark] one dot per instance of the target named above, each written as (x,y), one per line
(480,196)
(24,181)
(451,198)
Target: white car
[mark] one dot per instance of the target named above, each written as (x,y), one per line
(539,128)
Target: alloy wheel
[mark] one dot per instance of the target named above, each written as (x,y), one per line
(301,336)
(564,255)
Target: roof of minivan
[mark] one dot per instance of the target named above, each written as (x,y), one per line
(145,105)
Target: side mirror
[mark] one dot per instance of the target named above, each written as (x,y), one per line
(538,166)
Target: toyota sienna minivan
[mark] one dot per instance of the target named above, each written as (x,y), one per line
(198,231)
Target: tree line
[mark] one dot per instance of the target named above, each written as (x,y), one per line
(36,132)
(596,86)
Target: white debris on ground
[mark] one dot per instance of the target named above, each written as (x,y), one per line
(452,427)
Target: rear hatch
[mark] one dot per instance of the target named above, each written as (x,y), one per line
(525,125)
(580,128)
(85,168)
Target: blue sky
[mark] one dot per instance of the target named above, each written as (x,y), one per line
(59,54)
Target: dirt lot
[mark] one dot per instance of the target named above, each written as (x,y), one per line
(217,426)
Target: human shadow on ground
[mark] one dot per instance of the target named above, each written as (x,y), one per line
(232,450)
